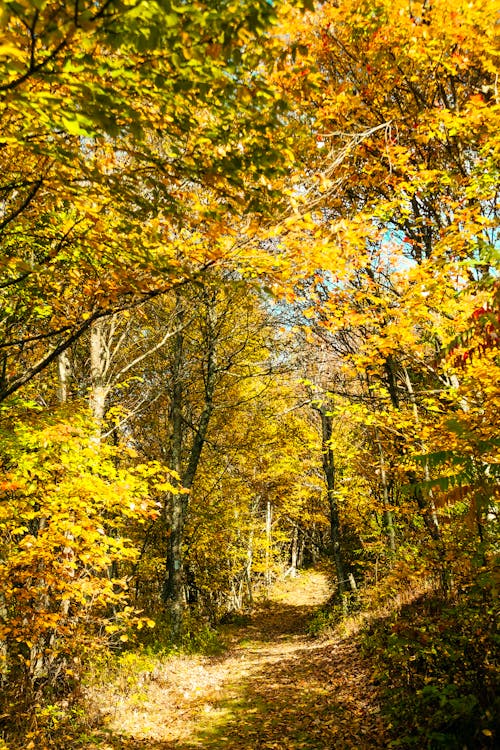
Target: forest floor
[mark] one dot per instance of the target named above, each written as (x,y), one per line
(274,688)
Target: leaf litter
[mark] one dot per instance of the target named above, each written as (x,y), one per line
(275,688)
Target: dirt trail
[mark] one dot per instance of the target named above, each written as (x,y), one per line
(275,689)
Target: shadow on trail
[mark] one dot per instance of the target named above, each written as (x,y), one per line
(298,703)
(300,695)
(271,622)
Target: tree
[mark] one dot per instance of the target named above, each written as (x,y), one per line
(65,509)
(402,97)
(257,508)
(120,120)
(217,332)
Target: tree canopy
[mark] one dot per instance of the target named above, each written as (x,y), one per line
(249,319)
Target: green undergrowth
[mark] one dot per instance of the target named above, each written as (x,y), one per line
(323,621)
(197,637)
(435,662)
(72,719)
(437,665)
(332,615)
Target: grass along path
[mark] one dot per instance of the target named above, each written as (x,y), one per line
(274,688)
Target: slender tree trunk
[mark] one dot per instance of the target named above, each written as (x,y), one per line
(173,593)
(64,373)
(248,568)
(329,471)
(173,590)
(300,551)
(388,519)
(426,505)
(269,541)
(390,373)
(294,551)
(98,367)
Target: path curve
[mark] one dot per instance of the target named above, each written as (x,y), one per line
(275,689)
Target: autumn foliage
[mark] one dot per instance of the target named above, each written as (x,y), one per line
(249,318)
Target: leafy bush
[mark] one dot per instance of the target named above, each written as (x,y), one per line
(324,619)
(65,514)
(437,663)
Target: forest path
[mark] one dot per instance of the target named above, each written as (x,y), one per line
(276,688)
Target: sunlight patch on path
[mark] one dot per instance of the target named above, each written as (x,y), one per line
(275,688)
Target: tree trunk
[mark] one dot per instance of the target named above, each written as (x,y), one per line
(426,506)
(294,551)
(388,520)
(248,568)
(64,373)
(98,366)
(173,592)
(173,589)
(329,471)
(269,522)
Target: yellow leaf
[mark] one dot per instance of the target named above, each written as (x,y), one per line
(9,50)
